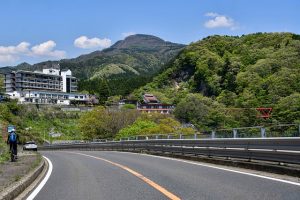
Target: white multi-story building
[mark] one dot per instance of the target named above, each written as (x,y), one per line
(50,86)
(49,97)
(69,83)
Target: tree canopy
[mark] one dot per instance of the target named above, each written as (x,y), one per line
(233,74)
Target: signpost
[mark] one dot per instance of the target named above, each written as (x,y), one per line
(52,134)
(55,135)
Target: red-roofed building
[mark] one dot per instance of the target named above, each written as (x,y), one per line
(151,104)
(150,98)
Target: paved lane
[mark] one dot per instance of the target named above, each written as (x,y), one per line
(81,177)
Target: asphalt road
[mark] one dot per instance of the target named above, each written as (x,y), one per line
(103,176)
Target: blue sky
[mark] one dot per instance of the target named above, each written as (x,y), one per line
(34,30)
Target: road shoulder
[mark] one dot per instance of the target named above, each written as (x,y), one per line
(17,176)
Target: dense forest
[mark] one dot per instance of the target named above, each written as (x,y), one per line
(220,80)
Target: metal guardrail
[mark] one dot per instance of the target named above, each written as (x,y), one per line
(279,130)
(282,150)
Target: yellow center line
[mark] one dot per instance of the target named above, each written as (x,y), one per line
(140,176)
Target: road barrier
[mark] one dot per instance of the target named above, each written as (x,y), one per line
(279,130)
(282,150)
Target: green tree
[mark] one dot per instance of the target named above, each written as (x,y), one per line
(288,109)
(139,127)
(1,84)
(93,124)
(103,91)
(103,123)
(202,111)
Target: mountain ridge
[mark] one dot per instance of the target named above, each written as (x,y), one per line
(136,51)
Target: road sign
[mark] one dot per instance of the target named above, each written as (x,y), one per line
(55,135)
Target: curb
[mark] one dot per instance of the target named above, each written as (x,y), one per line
(16,189)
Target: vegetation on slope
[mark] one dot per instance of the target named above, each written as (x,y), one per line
(230,77)
(35,123)
(104,123)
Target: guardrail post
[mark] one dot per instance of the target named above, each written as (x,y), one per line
(234,133)
(263,132)
(168,136)
(156,137)
(180,136)
(213,134)
(195,136)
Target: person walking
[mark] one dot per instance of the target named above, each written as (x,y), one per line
(12,140)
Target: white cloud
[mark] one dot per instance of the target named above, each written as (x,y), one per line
(46,49)
(11,54)
(90,43)
(219,21)
(20,48)
(126,34)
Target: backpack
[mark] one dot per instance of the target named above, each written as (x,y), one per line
(13,137)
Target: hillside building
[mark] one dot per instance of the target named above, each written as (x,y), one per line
(50,86)
(48,79)
(151,104)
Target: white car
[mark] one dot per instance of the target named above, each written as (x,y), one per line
(30,146)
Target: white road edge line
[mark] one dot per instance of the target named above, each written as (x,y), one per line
(43,182)
(220,168)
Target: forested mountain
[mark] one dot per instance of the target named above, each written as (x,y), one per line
(136,59)
(136,54)
(225,78)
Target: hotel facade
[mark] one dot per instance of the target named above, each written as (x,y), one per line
(50,86)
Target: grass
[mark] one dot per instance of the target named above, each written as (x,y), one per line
(36,162)
(4,153)
(17,177)
(4,157)
(67,127)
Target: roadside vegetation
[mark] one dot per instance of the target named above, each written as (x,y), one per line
(4,154)
(104,123)
(35,123)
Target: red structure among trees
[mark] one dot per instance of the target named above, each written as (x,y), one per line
(265,113)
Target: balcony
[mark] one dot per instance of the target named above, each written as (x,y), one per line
(7,81)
